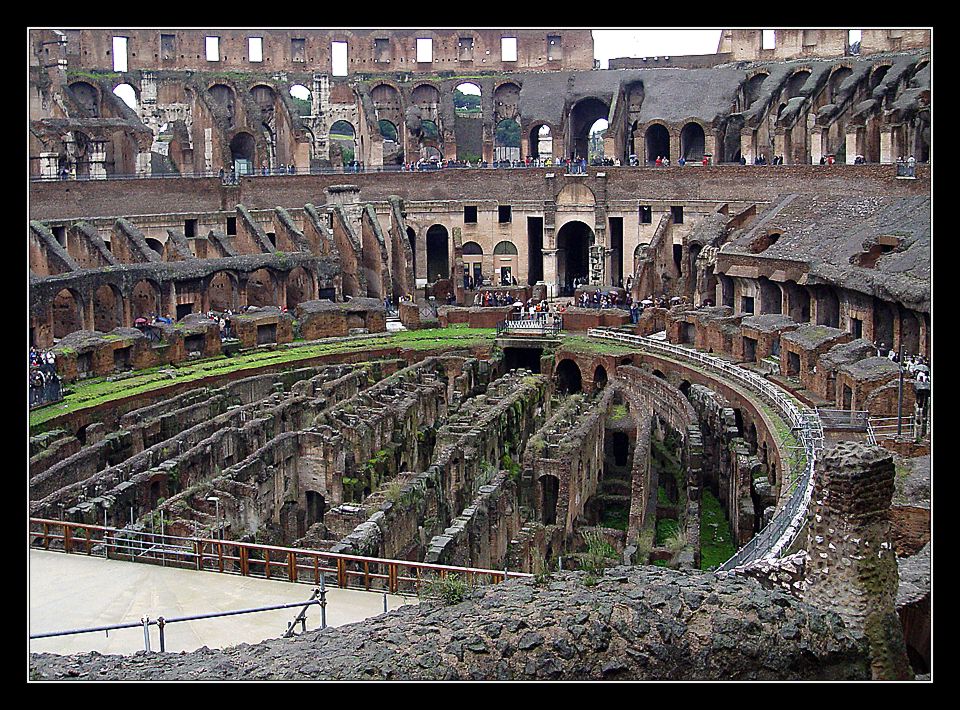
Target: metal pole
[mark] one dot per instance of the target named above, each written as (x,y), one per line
(384,602)
(323,601)
(219,529)
(900,395)
(160,624)
(146,633)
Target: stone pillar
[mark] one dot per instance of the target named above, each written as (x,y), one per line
(852,567)
(674,147)
(143,163)
(747,151)
(886,145)
(282,289)
(779,143)
(816,145)
(550,272)
(89,321)
(170,300)
(851,143)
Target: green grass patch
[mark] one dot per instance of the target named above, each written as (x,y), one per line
(616,517)
(666,529)
(90,393)
(583,344)
(716,538)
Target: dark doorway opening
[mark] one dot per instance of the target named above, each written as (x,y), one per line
(569,379)
(534,250)
(527,358)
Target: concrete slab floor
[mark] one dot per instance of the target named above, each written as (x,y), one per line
(73,591)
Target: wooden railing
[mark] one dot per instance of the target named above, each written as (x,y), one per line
(250,559)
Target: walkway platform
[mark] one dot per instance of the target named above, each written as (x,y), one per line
(76,591)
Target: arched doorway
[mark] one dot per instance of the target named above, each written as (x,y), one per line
(67,313)
(127,94)
(599,378)
(541,142)
(299,287)
(438,253)
(107,308)
(261,289)
(468,121)
(505,262)
(583,116)
(221,292)
(473,263)
(506,141)
(569,379)
(145,300)
(343,143)
(573,254)
(243,153)
(657,142)
(692,142)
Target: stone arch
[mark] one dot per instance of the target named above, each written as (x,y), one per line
(506,101)
(222,291)
(107,308)
(505,261)
(796,81)
(568,376)
(656,142)
(156,245)
(693,141)
(438,253)
(837,77)
(506,140)
(583,114)
(261,288)
(465,108)
(541,135)
(299,287)
(225,98)
(87,96)
(128,94)
(243,152)
(751,88)
(574,240)
(302,99)
(144,299)
(472,260)
(599,378)
(67,310)
(343,142)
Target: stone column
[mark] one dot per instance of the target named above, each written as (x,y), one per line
(747,150)
(779,143)
(852,567)
(886,145)
(89,321)
(550,272)
(816,145)
(851,143)
(170,300)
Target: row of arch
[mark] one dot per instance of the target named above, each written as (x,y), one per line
(107,306)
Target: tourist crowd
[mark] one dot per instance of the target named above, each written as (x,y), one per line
(44,382)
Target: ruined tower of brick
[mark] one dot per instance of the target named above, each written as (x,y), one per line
(852,567)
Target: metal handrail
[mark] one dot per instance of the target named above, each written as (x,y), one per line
(785,525)
(247,559)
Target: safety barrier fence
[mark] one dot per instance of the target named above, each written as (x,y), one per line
(777,536)
(892,428)
(534,326)
(319,598)
(251,559)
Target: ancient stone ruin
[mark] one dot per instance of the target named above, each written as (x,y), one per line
(699,480)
